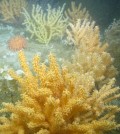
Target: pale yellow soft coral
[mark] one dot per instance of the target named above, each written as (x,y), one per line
(11,10)
(86,35)
(77,12)
(53,101)
(90,55)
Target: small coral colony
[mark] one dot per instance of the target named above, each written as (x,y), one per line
(78,96)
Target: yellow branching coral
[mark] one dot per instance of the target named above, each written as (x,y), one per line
(53,103)
(11,9)
(90,54)
(76,13)
(44,26)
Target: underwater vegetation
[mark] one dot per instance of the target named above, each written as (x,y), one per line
(54,95)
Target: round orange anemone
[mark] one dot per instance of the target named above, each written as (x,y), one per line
(17,43)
